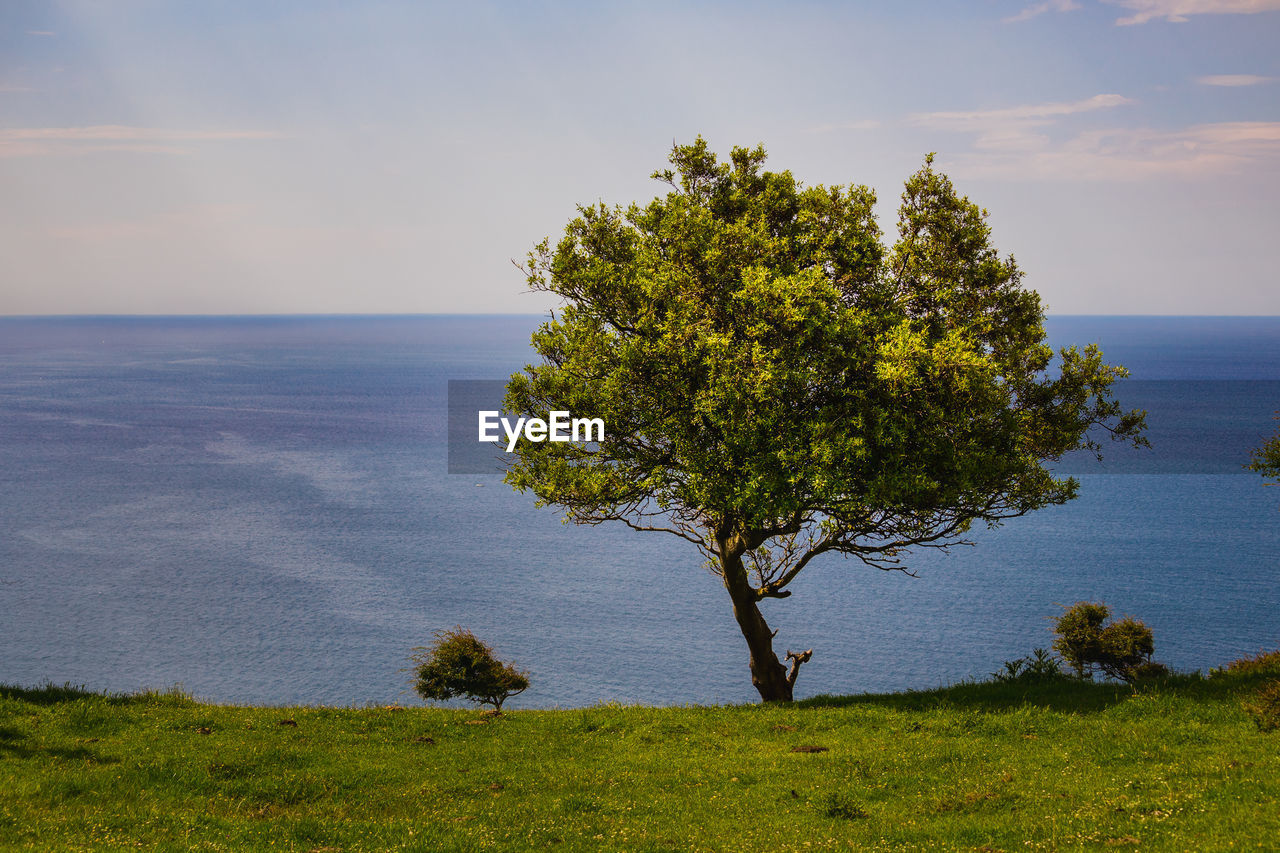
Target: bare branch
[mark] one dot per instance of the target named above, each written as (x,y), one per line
(629,523)
(796,660)
(775,588)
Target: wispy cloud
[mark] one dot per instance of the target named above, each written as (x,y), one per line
(1037,9)
(8,87)
(1014,129)
(40,141)
(41,33)
(1233,80)
(1034,141)
(1136,154)
(1179,11)
(1027,114)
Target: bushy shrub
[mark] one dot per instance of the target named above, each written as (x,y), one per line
(457,664)
(1265,707)
(1078,631)
(1124,646)
(1119,650)
(1149,671)
(1261,663)
(1039,666)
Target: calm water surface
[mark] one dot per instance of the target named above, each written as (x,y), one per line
(258,509)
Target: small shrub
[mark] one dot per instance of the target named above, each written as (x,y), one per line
(459,665)
(1261,663)
(1039,666)
(1265,707)
(1149,671)
(1118,650)
(1123,647)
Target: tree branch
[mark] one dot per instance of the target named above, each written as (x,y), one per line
(629,523)
(796,660)
(774,589)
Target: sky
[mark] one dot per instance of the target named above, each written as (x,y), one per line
(310,156)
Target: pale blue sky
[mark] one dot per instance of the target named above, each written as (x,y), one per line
(299,156)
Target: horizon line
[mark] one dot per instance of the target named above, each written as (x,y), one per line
(424,314)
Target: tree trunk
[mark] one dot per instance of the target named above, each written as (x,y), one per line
(768,675)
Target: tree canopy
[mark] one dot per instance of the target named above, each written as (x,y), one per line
(777,384)
(457,664)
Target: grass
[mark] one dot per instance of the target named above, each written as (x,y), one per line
(1178,765)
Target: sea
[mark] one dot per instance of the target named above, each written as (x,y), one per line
(259,510)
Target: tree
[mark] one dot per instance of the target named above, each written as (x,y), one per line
(777,385)
(1121,650)
(458,664)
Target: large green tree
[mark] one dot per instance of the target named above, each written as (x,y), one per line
(777,385)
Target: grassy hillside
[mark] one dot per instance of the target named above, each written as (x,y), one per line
(1176,766)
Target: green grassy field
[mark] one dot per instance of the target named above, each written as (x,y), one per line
(1178,765)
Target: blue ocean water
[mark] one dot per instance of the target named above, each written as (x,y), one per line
(259,509)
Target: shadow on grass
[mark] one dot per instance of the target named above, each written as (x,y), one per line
(14,743)
(1063,694)
(78,754)
(1060,694)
